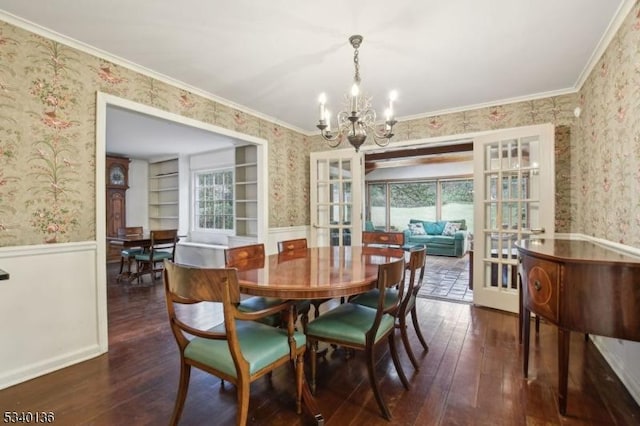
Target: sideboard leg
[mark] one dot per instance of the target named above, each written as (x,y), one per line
(526,323)
(563,368)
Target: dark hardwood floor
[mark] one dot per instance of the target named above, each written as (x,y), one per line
(472,374)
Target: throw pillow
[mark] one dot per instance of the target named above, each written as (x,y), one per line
(432,228)
(417,229)
(451,228)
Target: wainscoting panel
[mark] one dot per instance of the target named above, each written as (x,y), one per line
(48,309)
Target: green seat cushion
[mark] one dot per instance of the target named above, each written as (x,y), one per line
(260,344)
(370,298)
(257,303)
(157,256)
(348,323)
(131,252)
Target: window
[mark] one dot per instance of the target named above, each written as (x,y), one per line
(392,204)
(214,200)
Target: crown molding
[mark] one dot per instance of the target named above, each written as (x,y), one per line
(615,24)
(507,101)
(621,14)
(94,51)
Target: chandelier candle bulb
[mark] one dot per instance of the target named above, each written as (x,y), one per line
(327,118)
(322,99)
(354,97)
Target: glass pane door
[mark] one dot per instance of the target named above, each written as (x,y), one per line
(336,193)
(515,186)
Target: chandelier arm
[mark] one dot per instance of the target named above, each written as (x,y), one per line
(381,140)
(333,140)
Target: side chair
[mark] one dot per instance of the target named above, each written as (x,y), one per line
(129,253)
(291,246)
(250,256)
(360,327)
(416,268)
(383,239)
(240,350)
(163,246)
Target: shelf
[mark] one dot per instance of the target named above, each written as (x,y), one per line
(164,217)
(246,165)
(167,175)
(250,182)
(246,201)
(167,203)
(164,189)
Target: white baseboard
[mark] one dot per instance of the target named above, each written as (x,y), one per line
(45,366)
(618,365)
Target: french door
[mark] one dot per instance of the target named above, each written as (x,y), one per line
(336,198)
(514,186)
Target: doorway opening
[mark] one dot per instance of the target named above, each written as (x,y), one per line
(179,149)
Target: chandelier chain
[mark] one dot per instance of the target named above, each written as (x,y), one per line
(356,64)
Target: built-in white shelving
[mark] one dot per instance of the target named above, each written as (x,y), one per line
(246,187)
(163,194)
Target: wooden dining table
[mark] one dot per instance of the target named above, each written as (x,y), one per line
(129,241)
(312,273)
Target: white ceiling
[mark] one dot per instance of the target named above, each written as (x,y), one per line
(137,135)
(275,57)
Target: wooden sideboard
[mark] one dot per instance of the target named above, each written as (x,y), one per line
(577,286)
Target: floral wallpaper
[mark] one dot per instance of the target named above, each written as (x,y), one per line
(606,176)
(47,139)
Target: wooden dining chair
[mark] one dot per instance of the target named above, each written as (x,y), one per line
(240,350)
(246,257)
(383,239)
(129,253)
(290,247)
(407,298)
(163,246)
(360,327)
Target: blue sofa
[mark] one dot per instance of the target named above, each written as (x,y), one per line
(452,243)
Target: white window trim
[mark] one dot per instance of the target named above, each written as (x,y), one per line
(194,188)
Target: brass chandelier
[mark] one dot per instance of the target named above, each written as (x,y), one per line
(358,118)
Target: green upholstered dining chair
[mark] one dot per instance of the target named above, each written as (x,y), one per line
(163,246)
(360,327)
(253,255)
(416,268)
(240,350)
(129,253)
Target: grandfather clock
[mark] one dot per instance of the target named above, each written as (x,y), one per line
(117,184)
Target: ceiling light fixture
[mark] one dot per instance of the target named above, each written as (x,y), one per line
(358,117)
